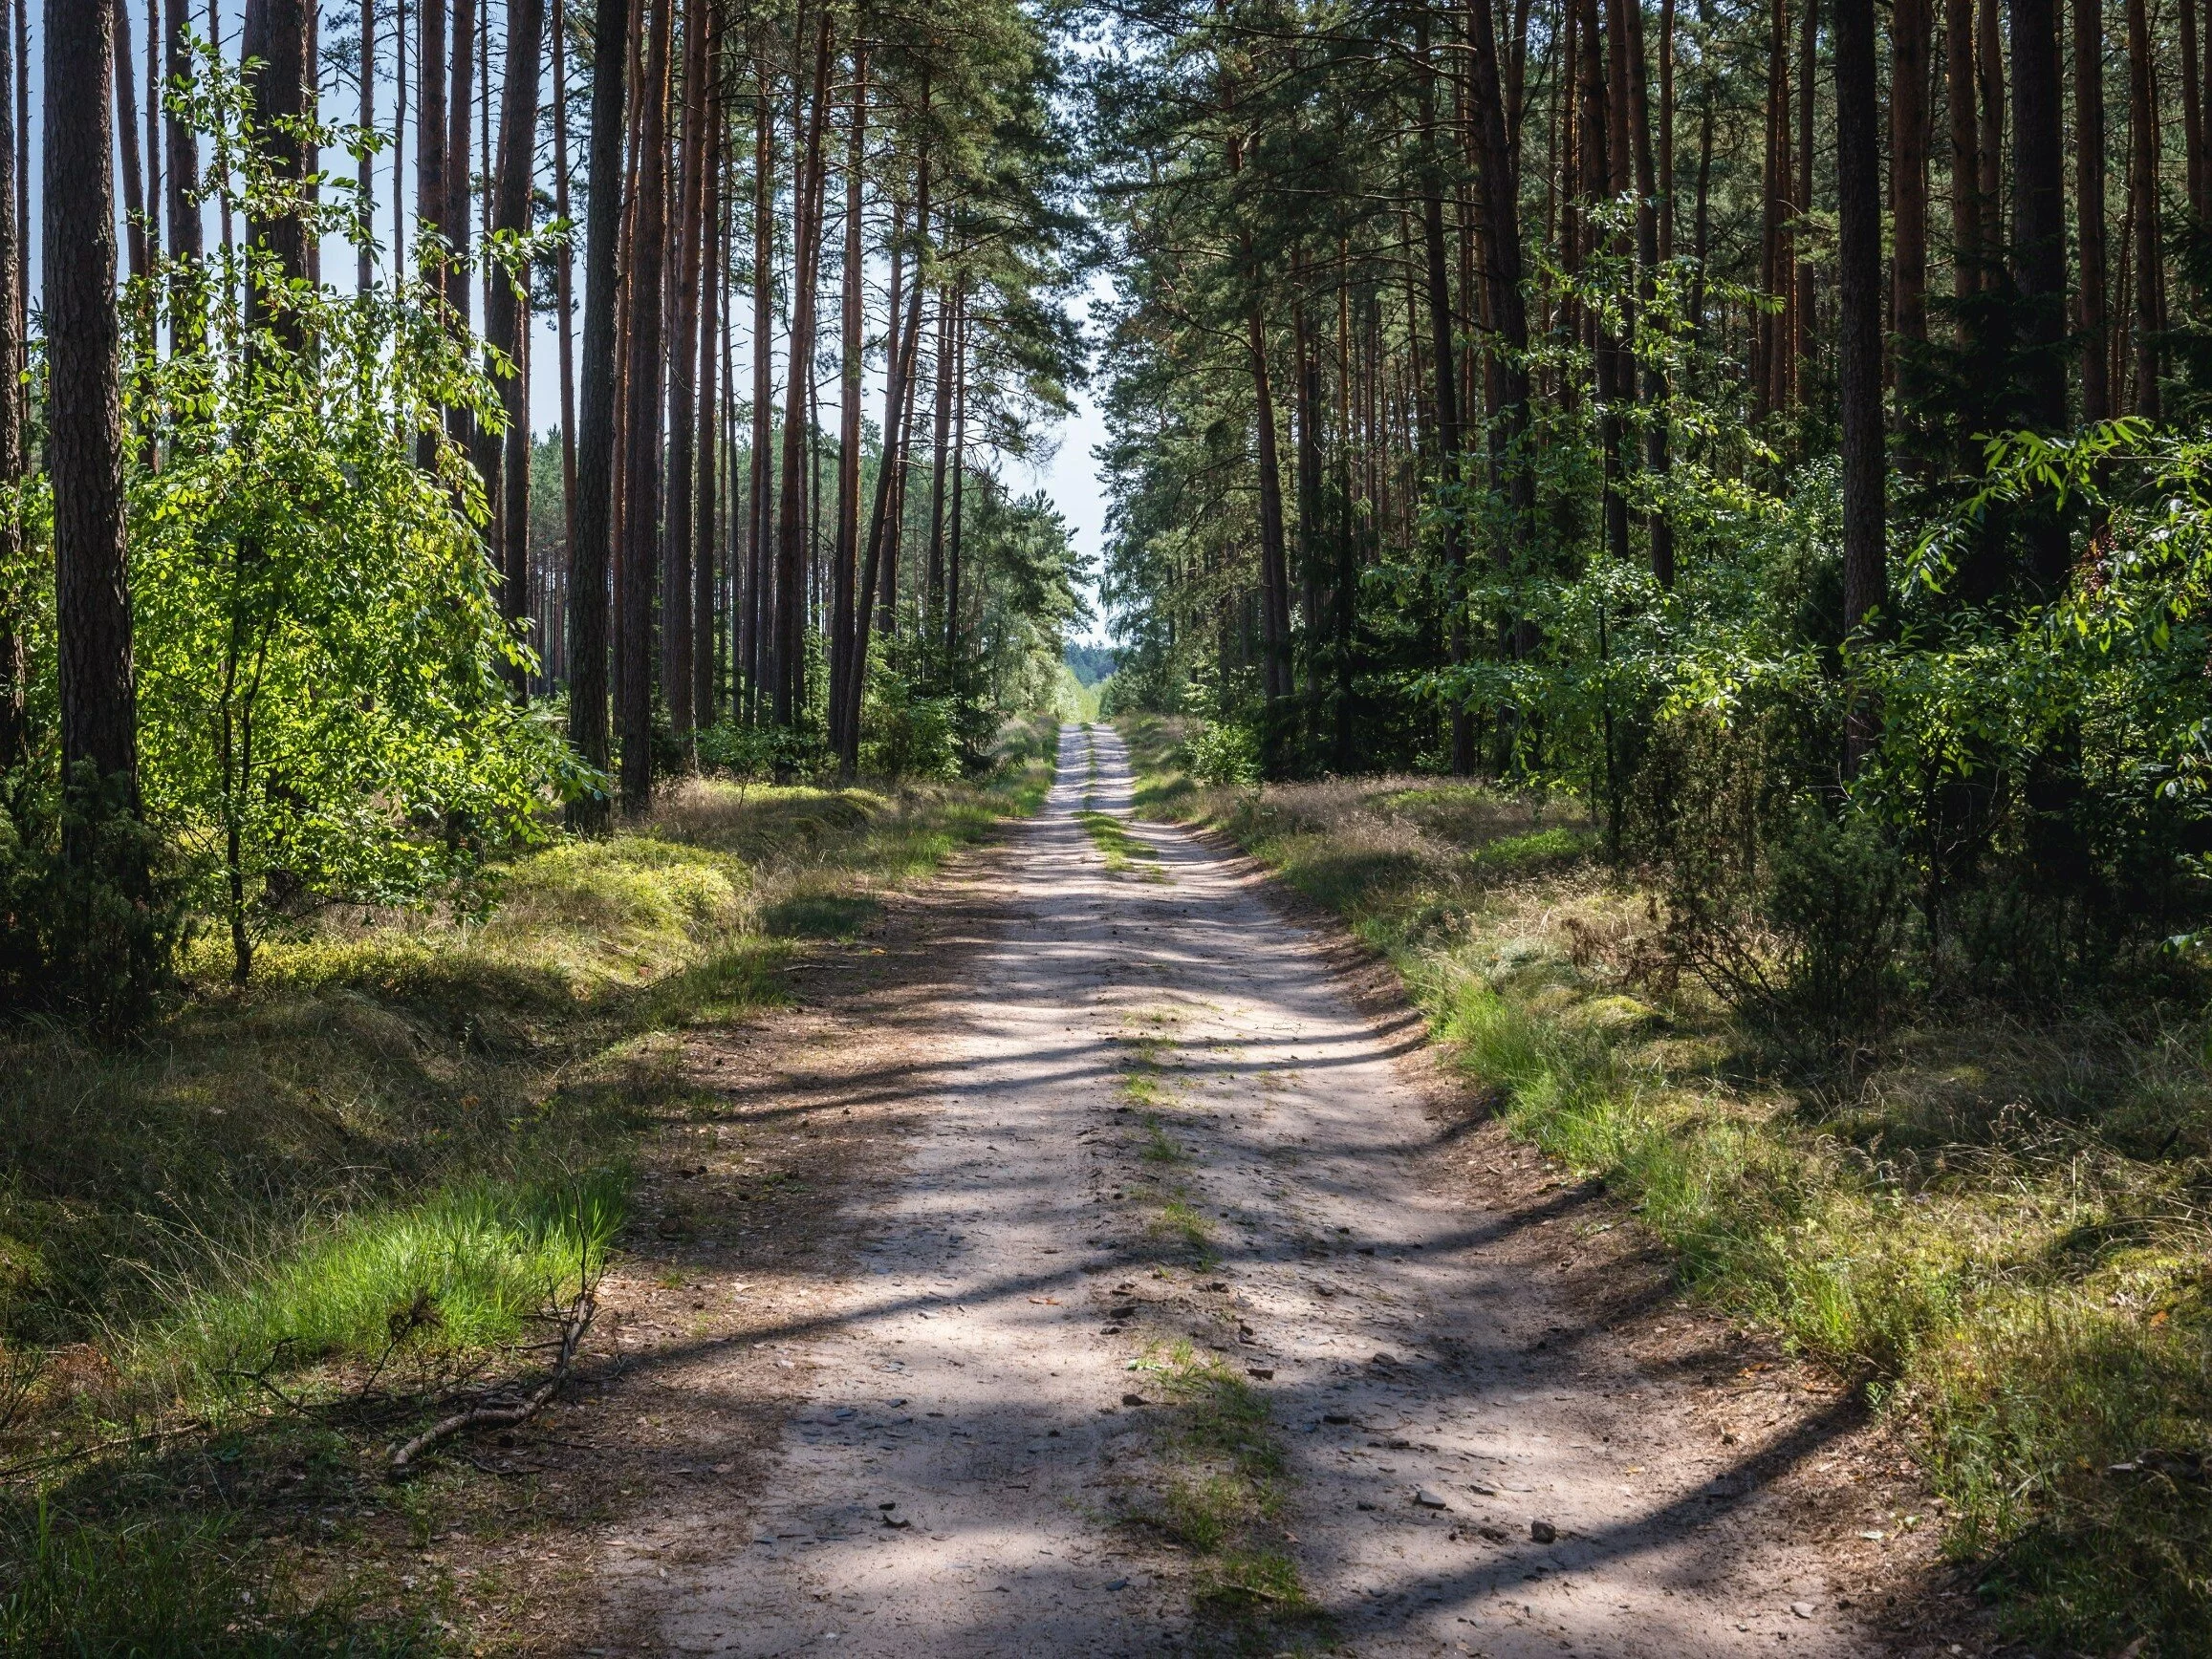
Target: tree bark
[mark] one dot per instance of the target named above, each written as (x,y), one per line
(1966,157)
(84,403)
(14,662)
(364,178)
(127,139)
(590,540)
(280,32)
(506,319)
(791,529)
(690,240)
(759,523)
(845,559)
(880,565)
(703,633)
(1911,22)
(2143,206)
(2088,205)
(564,278)
(952,560)
(642,436)
(1443,367)
(185,237)
(1859,324)
(2039,248)
(2192,110)
(939,441)
(458,170)
(1801,300)
(2039,203)
(1989,80)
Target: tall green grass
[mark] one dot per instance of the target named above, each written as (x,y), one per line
(1997,1232)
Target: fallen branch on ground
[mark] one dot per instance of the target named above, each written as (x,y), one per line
(498,1411)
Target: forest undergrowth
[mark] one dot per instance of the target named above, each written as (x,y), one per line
(245,1254)
(1992,1223)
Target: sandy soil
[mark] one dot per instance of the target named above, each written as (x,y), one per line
(896,1417)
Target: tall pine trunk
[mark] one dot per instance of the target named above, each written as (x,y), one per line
(716,260)
(507,318)
(642,437)
(791,595)
(1965,156)
(759,520)
(1859,308)
(590,542)
(845,557)
(2143,206)
(1911,22)
(15,601)
(2088,205)
(85,412)
(688,240)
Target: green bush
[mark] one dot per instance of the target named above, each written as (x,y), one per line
(1225,753)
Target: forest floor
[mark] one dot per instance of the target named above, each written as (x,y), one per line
(1132,1280)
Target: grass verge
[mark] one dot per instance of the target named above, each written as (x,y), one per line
(241,1257)
(1223,1501)
(1122,851)
(1996,1229)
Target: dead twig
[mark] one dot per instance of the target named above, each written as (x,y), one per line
(504,1412)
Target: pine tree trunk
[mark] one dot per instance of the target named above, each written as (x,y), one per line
(15,601)
(642,437)
(506,319)
(2143,205)
(1807,90)
(591,538)
(1966,157)
(1444,368)
(940,438)
(845,559)
(1911,22)
(952,570)
(564,280)
(84,406)
(791,596)
(1989,81)
(280,33)
(688,238)
(759,520)
(2089,204)
(880,565)
(185,240)
(716,260)
(1859,308)
(127,140)
(2039,245)
(1666,132)
(459,164)
(364,178)
(2192,110)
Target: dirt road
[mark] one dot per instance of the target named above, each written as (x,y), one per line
(1154,1118)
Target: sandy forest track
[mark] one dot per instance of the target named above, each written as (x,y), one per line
(958,1471)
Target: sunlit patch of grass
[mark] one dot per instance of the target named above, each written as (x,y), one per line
(1184,1224)
(1159,1148)
(459,1274)
(1121,849)
(1223,1499)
